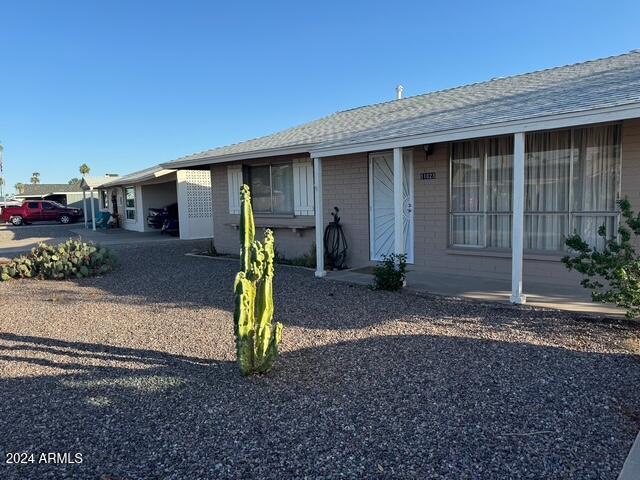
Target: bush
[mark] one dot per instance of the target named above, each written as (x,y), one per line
(70,259)
(612,274)
(391,273)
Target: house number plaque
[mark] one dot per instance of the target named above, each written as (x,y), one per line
(428,176)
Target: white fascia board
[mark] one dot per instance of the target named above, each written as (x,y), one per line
(134,180)
(527,125)
(234,157)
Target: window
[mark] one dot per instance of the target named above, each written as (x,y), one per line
(48,206)
(130,203)
(272,188)
(571,184)
(32,205)
(104,199)
(481,179)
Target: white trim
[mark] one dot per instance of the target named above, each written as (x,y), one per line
(517,225)
(549,122)
(135,204)
(234,157)
(319,217)
(122,181)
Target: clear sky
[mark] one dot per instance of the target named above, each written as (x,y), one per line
(123,85)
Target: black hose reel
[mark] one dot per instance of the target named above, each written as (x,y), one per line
(335,244)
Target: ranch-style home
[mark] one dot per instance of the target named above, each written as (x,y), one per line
(485,179)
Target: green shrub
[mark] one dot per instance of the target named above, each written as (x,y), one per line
(72,258)
(307,260)
(391,273)
(613,273)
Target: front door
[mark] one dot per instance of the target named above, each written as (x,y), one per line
(381,218)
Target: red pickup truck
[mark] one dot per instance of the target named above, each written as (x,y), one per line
(40,211)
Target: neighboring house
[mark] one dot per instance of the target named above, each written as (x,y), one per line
(131,196)
(486,179)
(89,186)
(69,195)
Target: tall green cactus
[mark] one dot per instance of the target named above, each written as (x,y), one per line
(256,339)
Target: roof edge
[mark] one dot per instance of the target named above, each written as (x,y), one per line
(232,157)
(564,120)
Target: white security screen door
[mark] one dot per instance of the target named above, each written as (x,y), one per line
(381,221)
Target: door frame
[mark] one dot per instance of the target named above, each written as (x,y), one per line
(406,155)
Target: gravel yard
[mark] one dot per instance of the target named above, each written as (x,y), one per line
(135,371)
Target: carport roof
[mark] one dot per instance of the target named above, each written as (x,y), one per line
(139,176)
(94,182)
(611,83)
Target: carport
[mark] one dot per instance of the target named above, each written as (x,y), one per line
(130,197)
(89,185)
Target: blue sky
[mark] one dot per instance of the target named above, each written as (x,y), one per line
(123,85)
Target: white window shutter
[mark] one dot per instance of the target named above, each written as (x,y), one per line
(303,196)
(234,179)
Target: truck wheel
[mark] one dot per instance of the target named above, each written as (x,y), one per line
(17,221)
(65,219)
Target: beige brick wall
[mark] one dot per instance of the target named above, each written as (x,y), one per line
(346,185)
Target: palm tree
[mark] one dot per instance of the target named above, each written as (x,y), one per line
(35,177)
(84,169)
(19,186)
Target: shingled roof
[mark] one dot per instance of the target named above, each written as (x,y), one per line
(40,189)
(596,84)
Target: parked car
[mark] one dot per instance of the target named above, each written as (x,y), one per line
(158,216)
(40,211)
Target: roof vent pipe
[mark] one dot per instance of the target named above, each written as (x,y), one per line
(399,92)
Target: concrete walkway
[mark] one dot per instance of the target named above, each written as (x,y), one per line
(547,295)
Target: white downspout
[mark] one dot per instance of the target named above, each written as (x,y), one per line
(319,209)
(517,236)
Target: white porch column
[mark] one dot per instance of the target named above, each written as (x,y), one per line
(319,216)
(84,203)
(517,236)
(93,210)
(398,225)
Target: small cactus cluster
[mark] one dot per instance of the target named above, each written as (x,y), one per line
(256,338)
(71,259)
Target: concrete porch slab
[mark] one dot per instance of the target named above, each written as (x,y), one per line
(545,295)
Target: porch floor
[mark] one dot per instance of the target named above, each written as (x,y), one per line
(547,295)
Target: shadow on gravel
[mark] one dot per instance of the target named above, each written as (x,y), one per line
(384,407)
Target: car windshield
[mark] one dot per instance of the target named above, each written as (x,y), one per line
(55,204)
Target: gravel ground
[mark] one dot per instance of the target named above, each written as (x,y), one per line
(135,371)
